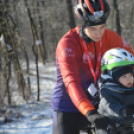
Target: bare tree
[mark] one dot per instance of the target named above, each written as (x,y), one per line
(117,17)
(71,14)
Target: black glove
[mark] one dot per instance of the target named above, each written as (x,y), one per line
(126,111)
(101,121)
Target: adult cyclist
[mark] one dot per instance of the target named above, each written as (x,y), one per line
(78,57)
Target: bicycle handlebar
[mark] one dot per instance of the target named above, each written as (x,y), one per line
(124,120)
(121,124)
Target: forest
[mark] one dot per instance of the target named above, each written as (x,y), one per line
(30,31)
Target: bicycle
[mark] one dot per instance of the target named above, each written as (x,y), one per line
(123,125)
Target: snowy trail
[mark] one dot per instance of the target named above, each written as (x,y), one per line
(32,117)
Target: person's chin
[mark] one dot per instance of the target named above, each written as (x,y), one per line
(129,86)
(97,39)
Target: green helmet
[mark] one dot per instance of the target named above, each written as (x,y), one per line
(116,58)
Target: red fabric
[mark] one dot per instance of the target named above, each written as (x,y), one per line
(70,53)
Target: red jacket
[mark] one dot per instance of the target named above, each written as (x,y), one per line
(73,73)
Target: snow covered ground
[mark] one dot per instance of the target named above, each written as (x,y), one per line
(32,117)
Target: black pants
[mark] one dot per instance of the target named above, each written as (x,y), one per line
(68,123)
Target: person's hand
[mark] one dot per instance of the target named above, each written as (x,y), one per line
(126,111)
(101,121)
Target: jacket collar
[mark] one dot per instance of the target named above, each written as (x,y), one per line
(107,82)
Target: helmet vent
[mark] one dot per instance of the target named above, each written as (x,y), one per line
(116,56)
(125,53)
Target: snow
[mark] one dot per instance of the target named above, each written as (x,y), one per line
(32,117)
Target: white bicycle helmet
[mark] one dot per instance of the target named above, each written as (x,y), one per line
(116,58)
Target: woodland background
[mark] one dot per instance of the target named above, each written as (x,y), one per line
(30,31)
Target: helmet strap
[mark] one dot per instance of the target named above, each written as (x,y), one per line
(84,36)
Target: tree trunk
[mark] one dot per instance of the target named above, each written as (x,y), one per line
(71,14)
(117,17)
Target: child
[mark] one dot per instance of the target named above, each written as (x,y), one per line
(116,84)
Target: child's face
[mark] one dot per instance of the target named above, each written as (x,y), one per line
(126,80)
